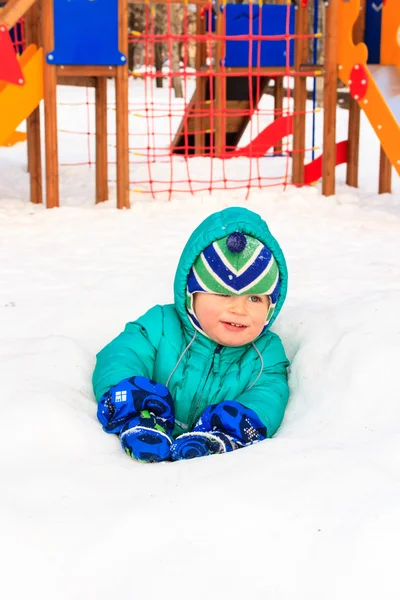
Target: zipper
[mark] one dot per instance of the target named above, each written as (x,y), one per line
(192,413)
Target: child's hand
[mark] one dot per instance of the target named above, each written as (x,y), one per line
(129,398)
(202,443)
(233,419)
(146,439)
(221,428)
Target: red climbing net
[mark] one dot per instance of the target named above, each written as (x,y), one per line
(232,119)
(232,126)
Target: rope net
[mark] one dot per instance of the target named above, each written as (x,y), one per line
(234,68)
(210,98)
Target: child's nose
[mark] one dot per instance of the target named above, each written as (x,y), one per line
(238,305)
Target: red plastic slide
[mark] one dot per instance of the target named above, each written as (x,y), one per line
(273,134)
(313,171)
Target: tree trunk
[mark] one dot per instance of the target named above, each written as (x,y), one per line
(158,57)
(136,24)
(176,29)
(160,28)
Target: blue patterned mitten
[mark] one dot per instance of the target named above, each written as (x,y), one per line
(221,428)
(129,398)
(146,438)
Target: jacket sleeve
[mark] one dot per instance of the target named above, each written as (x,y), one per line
(133,352)
(270,393)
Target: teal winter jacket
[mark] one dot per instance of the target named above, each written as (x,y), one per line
(164,346)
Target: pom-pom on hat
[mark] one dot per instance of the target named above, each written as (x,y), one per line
(235,265)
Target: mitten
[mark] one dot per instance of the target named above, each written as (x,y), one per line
(129,398)
(146,438)
(221,428)
(234,419)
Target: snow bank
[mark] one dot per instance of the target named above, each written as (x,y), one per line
(312,514)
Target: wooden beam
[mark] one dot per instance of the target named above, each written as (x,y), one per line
(300,97)
(77,81)
(86,71)
(122,112)
(50,108)
(354,143)
(278,106)
(35,156)
(301,70)
(32,36)
(385,174)
(354,111)
(330,98)
(14,10)
(199,2)
(101,141)
(32,30)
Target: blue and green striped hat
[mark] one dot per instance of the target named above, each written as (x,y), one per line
(235,265)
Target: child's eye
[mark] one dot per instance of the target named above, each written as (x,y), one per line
(255,299)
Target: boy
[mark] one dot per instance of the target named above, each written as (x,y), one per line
(203,375)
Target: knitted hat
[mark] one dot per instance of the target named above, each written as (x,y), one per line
(235,265)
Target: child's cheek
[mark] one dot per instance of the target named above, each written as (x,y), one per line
(214,316)
(207,318)
(260,319)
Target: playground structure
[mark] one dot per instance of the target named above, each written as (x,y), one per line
(54,56)
(374,83)
(240,49)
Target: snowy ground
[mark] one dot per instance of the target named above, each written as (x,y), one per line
(313,514)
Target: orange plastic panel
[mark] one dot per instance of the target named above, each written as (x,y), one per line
(382,119)
(390,44)
(16,138)
(17,103)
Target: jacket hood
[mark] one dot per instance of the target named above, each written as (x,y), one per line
(213,228)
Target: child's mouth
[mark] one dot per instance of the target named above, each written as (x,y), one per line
(233,326)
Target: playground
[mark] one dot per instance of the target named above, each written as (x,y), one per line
(142,140)
(310,514)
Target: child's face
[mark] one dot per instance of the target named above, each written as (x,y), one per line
(231,320)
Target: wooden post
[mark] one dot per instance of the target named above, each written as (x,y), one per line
(101,140)
(32,36)
(353,143)
(122,111)
(200,95)
(385,174)
(220,86)
(354,111)
(300,97)
(330,99)
(50,107)
(278,105)
(35,157)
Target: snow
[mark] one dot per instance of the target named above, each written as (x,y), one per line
(311,514)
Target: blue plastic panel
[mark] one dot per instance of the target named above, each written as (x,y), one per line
(373,27)
(273,22)
(86,33)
